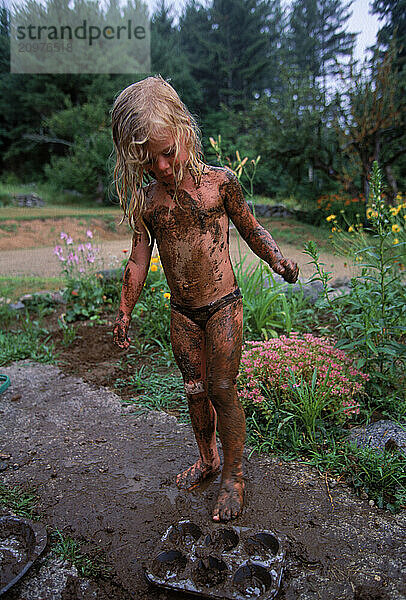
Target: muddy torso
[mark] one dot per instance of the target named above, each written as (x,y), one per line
(192,238)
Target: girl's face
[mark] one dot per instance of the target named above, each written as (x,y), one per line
(162,153)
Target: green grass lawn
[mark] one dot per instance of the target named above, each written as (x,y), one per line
(15,287)
(298,233)
(14,213)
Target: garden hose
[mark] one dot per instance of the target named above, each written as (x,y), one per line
(4,383)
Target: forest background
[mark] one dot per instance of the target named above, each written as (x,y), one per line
(277,81)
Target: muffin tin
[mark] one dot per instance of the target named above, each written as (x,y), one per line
(218,561)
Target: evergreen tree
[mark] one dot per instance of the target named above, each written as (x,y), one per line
(317,38)
(168,58)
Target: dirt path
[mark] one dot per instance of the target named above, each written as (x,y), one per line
(43,263)
(106,475)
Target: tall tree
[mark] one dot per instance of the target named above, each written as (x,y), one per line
(167,57)
(229,46)
(317,37)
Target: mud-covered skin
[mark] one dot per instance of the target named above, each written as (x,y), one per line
(209,361)
(191,232)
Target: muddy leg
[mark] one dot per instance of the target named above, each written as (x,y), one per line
(189,350)
(223,348)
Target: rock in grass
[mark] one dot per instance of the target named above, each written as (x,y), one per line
(382,435)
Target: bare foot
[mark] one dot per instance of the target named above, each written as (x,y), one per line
(230,500)
(197,473)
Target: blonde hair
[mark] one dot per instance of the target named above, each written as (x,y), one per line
(143,111)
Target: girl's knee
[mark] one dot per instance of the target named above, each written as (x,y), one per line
(223,390)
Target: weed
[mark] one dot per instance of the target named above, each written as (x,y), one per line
(69,331)
(66,548)
(265,306)
(157,390)
(9,227)
(31,341)
(371,319)
(18,501)
(14,287)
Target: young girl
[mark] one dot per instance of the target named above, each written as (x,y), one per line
(186,210)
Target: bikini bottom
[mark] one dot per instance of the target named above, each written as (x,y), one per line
(201,315)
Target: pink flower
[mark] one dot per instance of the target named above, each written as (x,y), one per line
(63,235)
(89,233)
(81,248)
(69,240)
(88,245)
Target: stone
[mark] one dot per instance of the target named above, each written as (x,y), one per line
(382,435)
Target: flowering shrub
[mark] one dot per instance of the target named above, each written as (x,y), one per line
(78,260)
(267,369)
(84,293)
(345,208)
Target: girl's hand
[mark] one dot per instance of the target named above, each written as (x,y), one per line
(120,331)
(288,269)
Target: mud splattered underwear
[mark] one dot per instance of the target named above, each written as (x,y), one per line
(201,315)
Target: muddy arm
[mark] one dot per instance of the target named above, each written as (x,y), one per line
(258,239)
(134,278)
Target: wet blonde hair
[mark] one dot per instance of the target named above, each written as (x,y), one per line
(143,111)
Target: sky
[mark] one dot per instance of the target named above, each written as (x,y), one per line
(361,22)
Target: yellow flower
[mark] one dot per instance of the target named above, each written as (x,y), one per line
(167,295)
(330,218)
(154,268)
(155,259)
(395,228)
(334,229)
(350,229)
(394,211)
(396,241)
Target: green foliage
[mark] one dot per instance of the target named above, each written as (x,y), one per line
(152,311)
(266,308)
(288,368)
(156,389)
(30,341)
(86,295)
(66,548)
(345,208)
(372,318)
(69,331)
(17,500)
(84,129)
(379,474)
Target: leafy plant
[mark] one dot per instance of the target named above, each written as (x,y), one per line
(265,306)
(84,291)
(69,331)
(157,389)
(309,401)
(17,500)
(71,550)
(372,318)
(152,311)
(31,341)
(267,369)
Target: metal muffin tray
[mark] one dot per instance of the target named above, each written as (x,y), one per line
(21,542)
(218,561)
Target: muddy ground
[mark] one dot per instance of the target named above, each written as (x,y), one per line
(105,475)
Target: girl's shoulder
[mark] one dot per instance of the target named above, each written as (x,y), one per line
(223,174)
